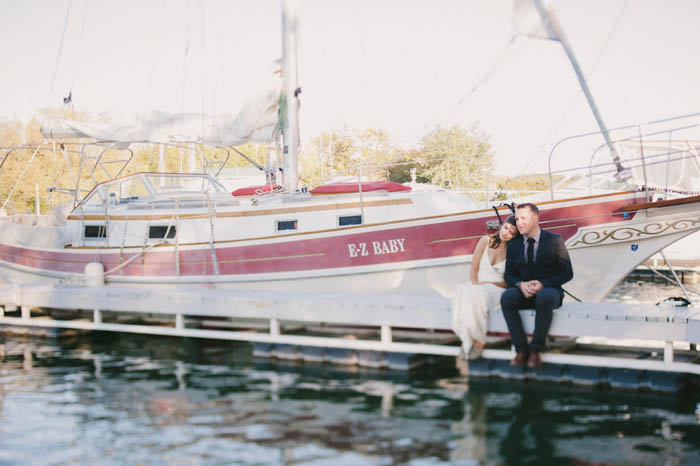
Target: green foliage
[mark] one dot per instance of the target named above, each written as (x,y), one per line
(402,169)
(326,156)
(456,158)
(51,168)
(524,184)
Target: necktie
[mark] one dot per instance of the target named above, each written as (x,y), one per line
(531,252)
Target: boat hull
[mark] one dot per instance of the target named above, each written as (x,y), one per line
(422,256)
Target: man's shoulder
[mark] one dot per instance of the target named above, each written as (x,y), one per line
(548,234)
(516,242)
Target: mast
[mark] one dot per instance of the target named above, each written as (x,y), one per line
(289,103)
(555,32)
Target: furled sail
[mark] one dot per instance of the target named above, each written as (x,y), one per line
(256,122)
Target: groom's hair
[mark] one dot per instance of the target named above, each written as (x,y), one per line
(533,208)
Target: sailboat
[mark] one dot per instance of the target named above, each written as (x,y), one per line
(171,230)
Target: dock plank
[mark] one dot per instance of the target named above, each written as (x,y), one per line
(612,320)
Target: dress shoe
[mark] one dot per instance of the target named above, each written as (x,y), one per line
(535,361)
(519,359)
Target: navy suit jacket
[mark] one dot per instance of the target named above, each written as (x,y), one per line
(552,264)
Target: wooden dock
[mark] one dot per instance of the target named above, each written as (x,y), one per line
(646,339)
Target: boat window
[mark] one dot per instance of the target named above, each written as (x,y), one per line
(346,220)
(286,225)
(160,231)
(95,231)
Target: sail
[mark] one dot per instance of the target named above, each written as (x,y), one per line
(528,22)
(255,122)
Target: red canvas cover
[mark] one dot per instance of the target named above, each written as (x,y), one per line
(342,188)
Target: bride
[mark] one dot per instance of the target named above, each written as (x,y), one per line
(472,300)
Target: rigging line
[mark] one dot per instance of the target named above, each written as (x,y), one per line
(578,94)
(493,70)
(80,44)
(60,48)
(147,93)
(202,105)
(184,62)
(495,67)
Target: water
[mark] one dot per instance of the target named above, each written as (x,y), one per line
(110,399)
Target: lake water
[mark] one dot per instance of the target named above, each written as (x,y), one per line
(110,399)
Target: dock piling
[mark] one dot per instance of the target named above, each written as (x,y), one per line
(668,352)
(274,327)
(386,334)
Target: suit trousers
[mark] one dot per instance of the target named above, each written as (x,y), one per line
(544,303)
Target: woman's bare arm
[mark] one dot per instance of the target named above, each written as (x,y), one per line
(476,259)
(500,284)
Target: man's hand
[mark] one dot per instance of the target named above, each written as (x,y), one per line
(525,289)
(531,288)
(536,286)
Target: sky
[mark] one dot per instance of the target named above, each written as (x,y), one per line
(400,65)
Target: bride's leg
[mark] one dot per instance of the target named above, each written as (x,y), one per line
(460,314)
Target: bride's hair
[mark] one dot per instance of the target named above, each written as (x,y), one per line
(495,240)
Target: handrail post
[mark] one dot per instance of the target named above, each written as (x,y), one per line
(668,163)
(359,187)
(644,166)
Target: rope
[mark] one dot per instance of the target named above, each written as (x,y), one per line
(60,48)
(571,295)
(184,62)
(493,69)
(12,191)
(80,44)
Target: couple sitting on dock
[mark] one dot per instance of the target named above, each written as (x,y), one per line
(519,267)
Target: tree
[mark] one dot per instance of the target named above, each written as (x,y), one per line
(326,156)
(376,153)
(343,152)
(456,158)
(403,169)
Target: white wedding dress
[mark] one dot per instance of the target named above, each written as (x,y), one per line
(471,303)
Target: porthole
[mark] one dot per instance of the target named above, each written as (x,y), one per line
(347,220)
(95,231)
(285,225)
(159,232)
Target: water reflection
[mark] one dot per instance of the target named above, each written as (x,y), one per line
(128,399)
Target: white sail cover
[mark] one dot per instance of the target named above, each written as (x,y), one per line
(256,122)
(527,20)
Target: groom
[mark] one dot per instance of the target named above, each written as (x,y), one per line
(536,267)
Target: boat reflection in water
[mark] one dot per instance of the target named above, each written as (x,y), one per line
(129,399)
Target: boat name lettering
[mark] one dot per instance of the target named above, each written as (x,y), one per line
(377,248)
